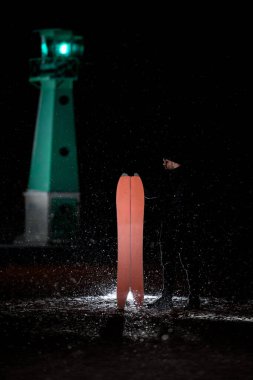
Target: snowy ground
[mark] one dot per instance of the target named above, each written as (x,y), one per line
(211,308)
(60,321)
(87,337)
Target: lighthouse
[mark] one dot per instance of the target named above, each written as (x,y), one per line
(52,198)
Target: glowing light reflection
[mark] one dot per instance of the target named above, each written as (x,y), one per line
(113,295)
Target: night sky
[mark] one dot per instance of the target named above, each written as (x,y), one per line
(141,87)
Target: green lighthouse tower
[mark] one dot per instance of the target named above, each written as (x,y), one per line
(52,198)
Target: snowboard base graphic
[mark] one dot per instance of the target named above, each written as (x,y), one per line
(130,217)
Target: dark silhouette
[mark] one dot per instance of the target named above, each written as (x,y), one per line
(178,201)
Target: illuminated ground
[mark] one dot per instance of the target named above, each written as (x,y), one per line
(86,337)
(59,320)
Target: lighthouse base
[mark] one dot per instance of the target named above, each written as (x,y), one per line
(50,218)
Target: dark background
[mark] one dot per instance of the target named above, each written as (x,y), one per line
(140,83)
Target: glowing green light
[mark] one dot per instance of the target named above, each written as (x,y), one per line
(63,48)
(44,48)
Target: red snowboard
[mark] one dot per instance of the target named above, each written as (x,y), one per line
(130,217)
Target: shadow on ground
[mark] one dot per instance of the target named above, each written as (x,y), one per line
(87,337)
